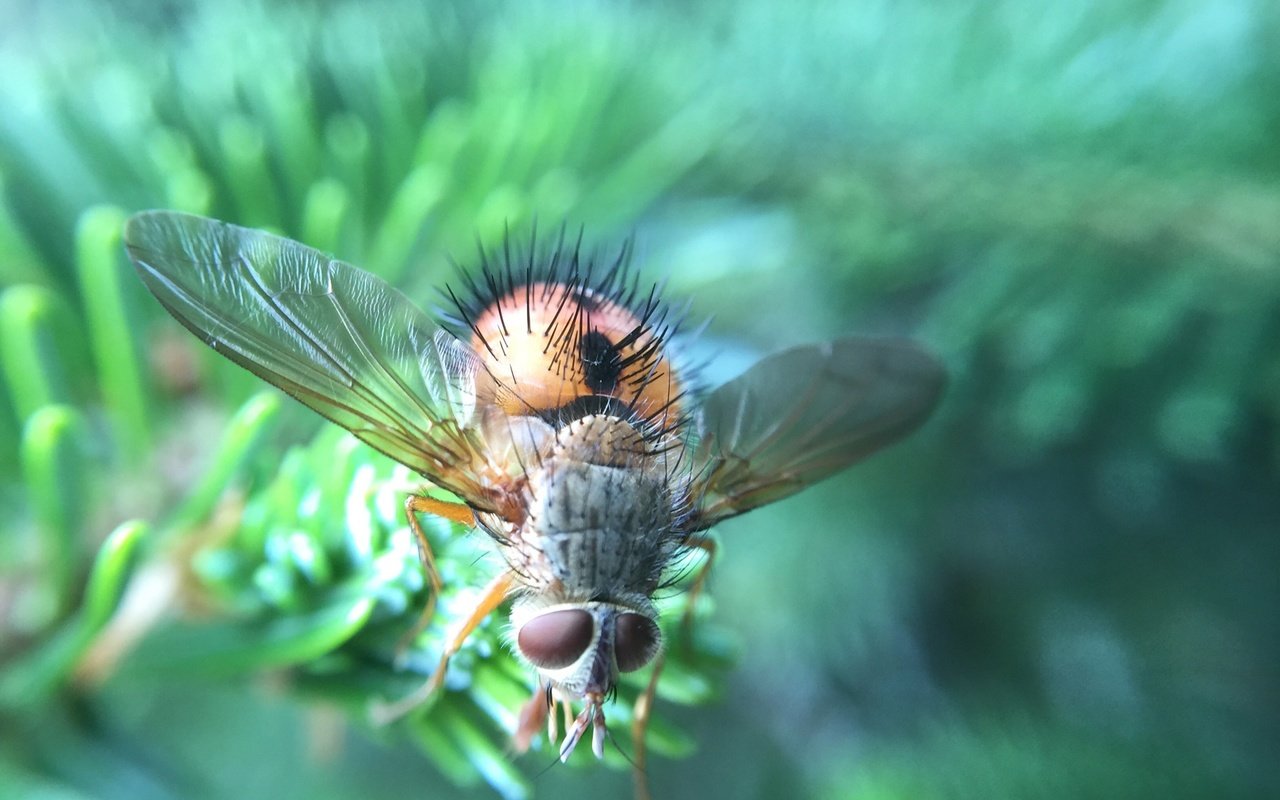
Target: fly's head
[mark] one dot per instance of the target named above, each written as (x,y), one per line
(580,648)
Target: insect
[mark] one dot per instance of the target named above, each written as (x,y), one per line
(552,405)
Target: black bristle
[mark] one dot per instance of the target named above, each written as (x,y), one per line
(588,279)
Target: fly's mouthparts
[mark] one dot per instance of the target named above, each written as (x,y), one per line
(592,715)
(597,736)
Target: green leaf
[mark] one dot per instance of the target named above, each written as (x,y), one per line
(233,647)
(41,672)
(240,440)
(106,283)
(34,339)
(54,465)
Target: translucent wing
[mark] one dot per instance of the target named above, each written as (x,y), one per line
(801,415)
(342,341)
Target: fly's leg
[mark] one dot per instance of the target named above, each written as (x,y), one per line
(708,546)
(457,512)
(644,703)
(536,712)
(490,599)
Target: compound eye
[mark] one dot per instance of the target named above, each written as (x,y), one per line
(635,641)
(556,639)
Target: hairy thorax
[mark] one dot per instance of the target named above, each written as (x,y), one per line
(601,511)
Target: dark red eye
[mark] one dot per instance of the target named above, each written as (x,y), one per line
(635,641)
(556,639)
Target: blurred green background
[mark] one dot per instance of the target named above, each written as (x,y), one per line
(1064,586)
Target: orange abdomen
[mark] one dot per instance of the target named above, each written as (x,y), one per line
(547,345)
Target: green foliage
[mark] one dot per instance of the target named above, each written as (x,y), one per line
(327,127)
(1063,586)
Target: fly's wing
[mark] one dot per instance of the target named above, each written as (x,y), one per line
(342,341)
(803,414)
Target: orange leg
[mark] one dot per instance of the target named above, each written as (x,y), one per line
(708,546)
(535,713)
(543,708)
(644,703)
(457,512)
(490,599)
